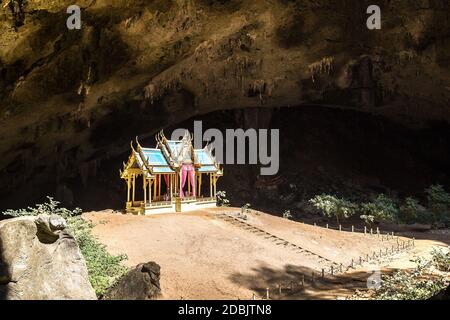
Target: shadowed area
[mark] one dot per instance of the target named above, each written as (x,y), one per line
(4,274)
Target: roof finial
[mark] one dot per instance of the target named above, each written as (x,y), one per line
(137,141)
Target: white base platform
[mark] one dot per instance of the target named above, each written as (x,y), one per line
(170,208)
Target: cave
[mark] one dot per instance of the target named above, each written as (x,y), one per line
(322,150)
(358,122)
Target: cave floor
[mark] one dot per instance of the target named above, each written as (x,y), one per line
(205,257)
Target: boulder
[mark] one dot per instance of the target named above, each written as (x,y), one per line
(40,260)
(141,283)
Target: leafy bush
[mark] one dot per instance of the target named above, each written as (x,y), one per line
(415,285)
(222,200)
(331,206)
(104,269)
(368,219)
(409,210)
(441,259)
(287,214)
(245,208)
(439,202)
(382,208)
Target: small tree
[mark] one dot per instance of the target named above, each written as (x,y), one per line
(382,208)
(245,208)
(331,206)
(287,214)
(438,199)
(222,200)
(409,210)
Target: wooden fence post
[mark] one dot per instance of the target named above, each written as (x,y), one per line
(267,294)
(353,228)
(340,228)
(378,231)
(323,273)
(327,225)
(279,289)
(371,231)
(365,230)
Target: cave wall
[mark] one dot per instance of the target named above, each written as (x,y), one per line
(71,99)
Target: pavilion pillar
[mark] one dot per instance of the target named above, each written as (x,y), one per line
(134,187)
(128,188)
(171,186)
(150,190)
(215,185)
(159,185)
(155,182)
(199,189)
(210,185)
(180,182)
(145,189)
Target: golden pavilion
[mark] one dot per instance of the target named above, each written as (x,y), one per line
(173,177)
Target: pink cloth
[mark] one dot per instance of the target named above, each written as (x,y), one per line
(185,170)
(192,178)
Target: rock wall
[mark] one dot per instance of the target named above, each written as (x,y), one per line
(40,260)
(70,99)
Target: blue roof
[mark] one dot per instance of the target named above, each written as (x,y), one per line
(154,157)
(156,160)
(203,157)
(207,169)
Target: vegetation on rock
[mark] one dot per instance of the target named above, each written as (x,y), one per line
(104,269)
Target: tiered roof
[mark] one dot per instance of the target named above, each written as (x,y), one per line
(169,156)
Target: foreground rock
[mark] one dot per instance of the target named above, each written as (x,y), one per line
(141,283)
(40,260)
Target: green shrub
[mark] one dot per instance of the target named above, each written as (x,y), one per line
(104,269)
(287,214)
(222,200)
(415,285)
(409,210)
(438,202)
(245,208)
(382,208)
(368,219)
(441,259)
(331,206)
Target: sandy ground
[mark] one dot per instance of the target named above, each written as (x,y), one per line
(204,257)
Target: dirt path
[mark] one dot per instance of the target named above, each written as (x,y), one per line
(205,257)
